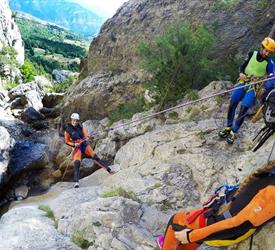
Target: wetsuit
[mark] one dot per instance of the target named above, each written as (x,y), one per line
(252,207)
(79,134)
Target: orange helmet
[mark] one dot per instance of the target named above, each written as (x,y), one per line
(269,44)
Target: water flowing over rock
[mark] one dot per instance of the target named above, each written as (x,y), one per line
(9,32)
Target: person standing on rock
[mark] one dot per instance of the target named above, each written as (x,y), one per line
(256,65)
(77,137)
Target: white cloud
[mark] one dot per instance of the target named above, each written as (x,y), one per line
(106,8)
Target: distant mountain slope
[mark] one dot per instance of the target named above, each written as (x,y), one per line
(62,12)
(50,45)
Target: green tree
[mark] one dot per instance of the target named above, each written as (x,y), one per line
(28,71)
(178,60)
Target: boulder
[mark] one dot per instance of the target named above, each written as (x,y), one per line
(32,99)
(42,82)
(26,156)
(22,89)
(31,115)
(60,76)
(50,100)
(101,94)
(31,228)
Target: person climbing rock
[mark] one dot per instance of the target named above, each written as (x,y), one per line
(257,64)
(228,219)
(76,136)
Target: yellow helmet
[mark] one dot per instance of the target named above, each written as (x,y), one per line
(269,44)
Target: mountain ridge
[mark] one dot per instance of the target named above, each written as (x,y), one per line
(62,12)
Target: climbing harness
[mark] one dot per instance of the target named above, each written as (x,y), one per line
(244,83)
(221,195)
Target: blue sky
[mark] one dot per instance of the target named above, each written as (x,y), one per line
(104,8)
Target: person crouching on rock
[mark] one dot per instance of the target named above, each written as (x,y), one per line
(77,137)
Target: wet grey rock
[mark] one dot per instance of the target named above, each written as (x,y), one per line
(31,115)
(26,156)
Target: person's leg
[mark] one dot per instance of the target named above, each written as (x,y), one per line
(76,170)
(234,101)
(76,157)
(236,97)
(247,102)
(89,152)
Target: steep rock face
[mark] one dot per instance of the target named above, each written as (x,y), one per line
(240,25)
(99,94)
(9,32)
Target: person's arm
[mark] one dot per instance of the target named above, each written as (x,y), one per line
(68,139)
(270,69)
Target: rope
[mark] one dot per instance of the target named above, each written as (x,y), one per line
(251,242)
(180,106)
(271,152)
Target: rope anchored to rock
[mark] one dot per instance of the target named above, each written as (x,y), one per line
(181,105)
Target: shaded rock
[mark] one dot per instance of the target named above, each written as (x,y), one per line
(30,115)
(47,111)
(21,192)
(15,103)
(26,156)
(26,131)
(52,99)
(39,125)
